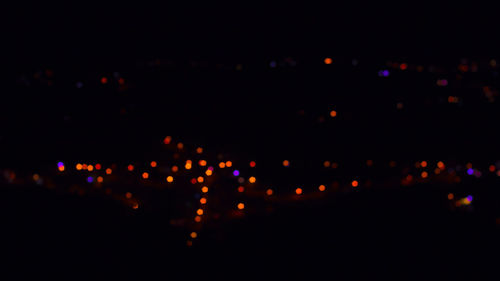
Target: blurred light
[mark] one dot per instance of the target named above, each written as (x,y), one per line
(333,113)
(222,165)
(369,163)
(90,168)
(470,171)
(241,206)
(424,174)
(180,145)
(98,166)
(199,212)
(130,167)
(36,177)
(170,179)
(298,191)
(469,198)
(403,66)
(108,171)
(204,189)
(326,164)
(492,168)
(286,163)
(175,169)
(321,188)
(153,164)
(90,179)
(193,235)
(100,179)
(193,181)
(145,175)
(199,150)
(236,173)
(269,192)
(335,165)
(79,166)
(60,164)
(423,164)
(241,189)
(167,140)
(61,168)
(202,163)
(188,166)
(197,219)
(128,195)
(252,164)
(135,206)
(104,80)
(328,61)
(441,165)
(208,172)
(229,164)
(200,179)
(252,179)
(203,200)
(354,183)
(450,196)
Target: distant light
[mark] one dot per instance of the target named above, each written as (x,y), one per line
(204,189)
(170,179)
(60,164)
(470,171)
(193,181)
(203,200)
(61,168)
(333,113)
(252,164)
(423,164)
(403,66)
(90,179)
(440,165)
(469,198)
(241,189)
(326,164)
(298,191)
(145,175)
(236,173)
(424,174)
(199,150)
(241,206)
(321,188)
(450,196)
(90,168)
(197,219)
(272,64)
(369,163)
(252,179)
(108,171)
(200,179)
(167,140)
(202,163)
(286,163)
(269,192)
(229,164)
(100,179)
(128,195)
(79,85)
(328,60)
(193,235)
(79,166)
(104,80)
(199,212)
(180,145)
(175,169)
(130,167)
(222,165)
(354,183)
(154,164)
(208,173)
(492,168)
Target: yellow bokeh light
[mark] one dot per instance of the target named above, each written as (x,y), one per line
(222,165)
(199,212)
(90,168)
(321,188)
(193,235)
(241,206)
(79,166)
(61,168)
(199,150)
(203,200)
(208,172)
(200,179)
(298,191)
(202,163)
(170,179)
(229,164)
(286,163)
(252,179)
(333,113)
(204,189)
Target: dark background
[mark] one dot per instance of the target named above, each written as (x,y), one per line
(252,115)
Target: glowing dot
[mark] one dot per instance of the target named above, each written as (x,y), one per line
(470,171)
(90,179)
(328,61)
(60,164)
(424,174)
(469,198)
(90,168)
(203,200)
(108,171)
(193,181)
(403,66)
(36,177)
(241,206)
(269,192)
(194,235)
(469,165)
(492,168)
(252,164)
(333,113)
(241,188)
(180,145)
(100,179)
(208,172)
(98,166)
(79,166)
(197,219)
(128,195)
(199,150)
(135,206)
(175,169)
(170,179)
(189,243)
(252,179)
(409,177)
(326,164)
(321,188)
(187,166)
(286,163)
(236,173)
(84,167)
(440,165)
(437,171)
(154,164)
(200,179)
(335,165)
(354,183)
(450,196)
(229,164)
(104,80)
(61,168)
(204,189)
(167,140)
(145,175)
(423,164)
(199,212)
(202,163)
(130,167)
(298,191)
(222,165)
